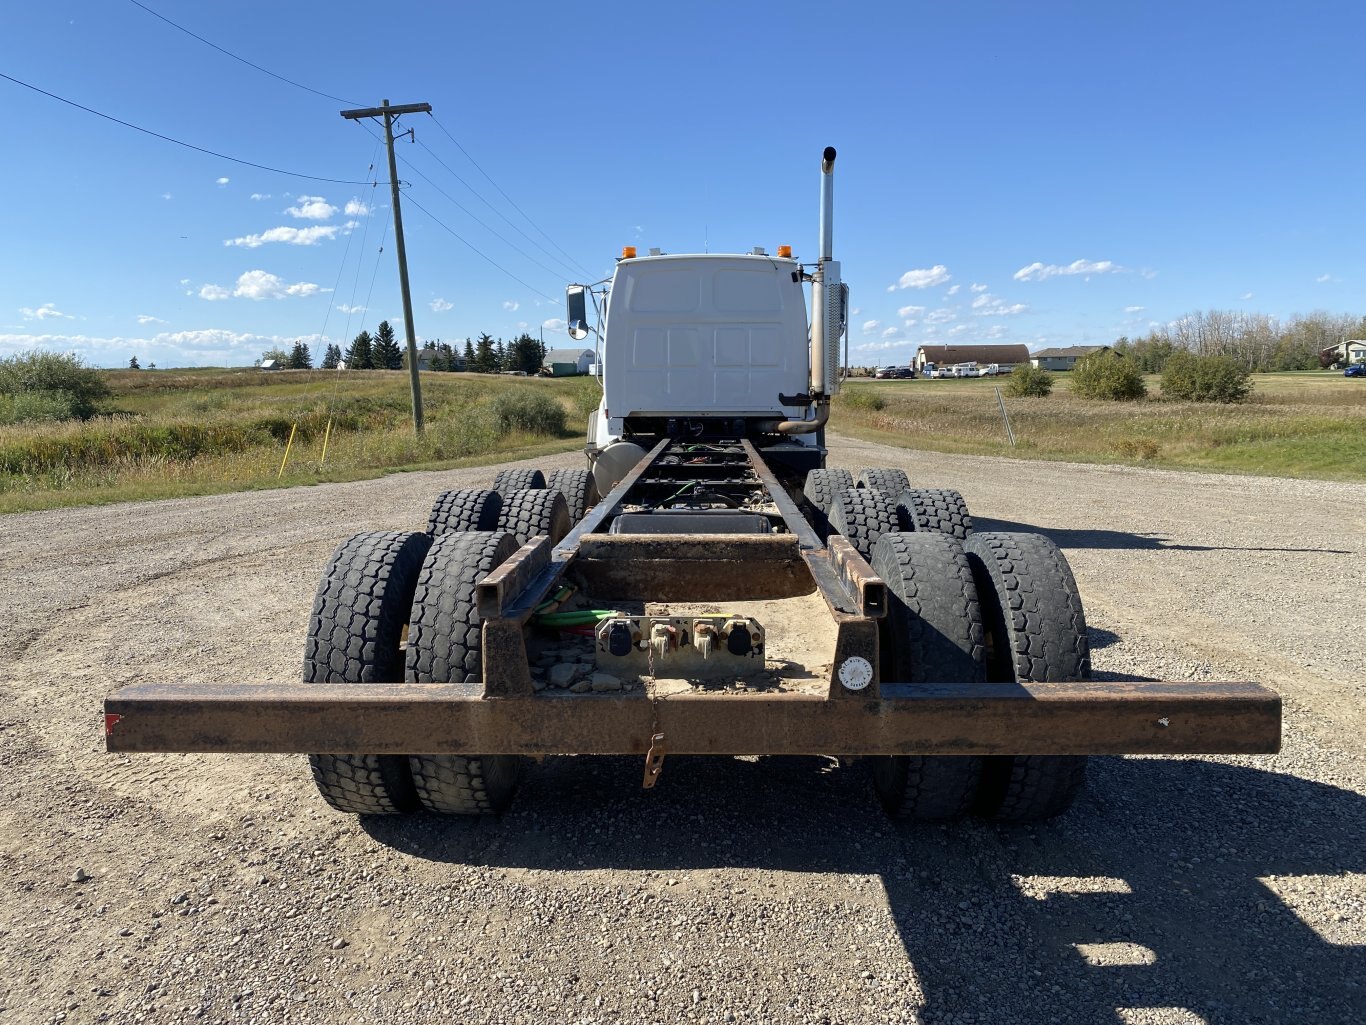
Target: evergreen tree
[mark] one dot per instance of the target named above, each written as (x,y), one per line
(449,360)
(300,358)
(485,361)
(331,357)
(360,356)
(386,355)
(500,357)
(151,366)
(525,354)
(133,364)
(467,364)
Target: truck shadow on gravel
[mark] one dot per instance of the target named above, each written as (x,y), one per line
(1213,888)
(1121,540)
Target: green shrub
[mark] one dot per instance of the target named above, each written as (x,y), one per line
(862,398)
(1205,379)
(523,409)
(1029,381)
(1108,375)
(35,406)
(59,374)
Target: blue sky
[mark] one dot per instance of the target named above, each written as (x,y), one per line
(1049,173)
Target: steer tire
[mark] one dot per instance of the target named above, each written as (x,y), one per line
(455,511)
(932,634)
(894,482)
(355,636)
(578,489)
(518,478)
(821,488)
(935,509)
(863,515)
(533,513)
(445,646)
(1036,633)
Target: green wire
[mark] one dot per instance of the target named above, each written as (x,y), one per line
(579,617)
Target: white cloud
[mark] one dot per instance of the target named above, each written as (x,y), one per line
(47,311)
(959,329)
(166,195)
(977,288)
(356,208)
(511,306)
(879,346)
(985,299)
(1140,309)
(343,308)
(1039,271)
(1323,278)
(995,331)
(922,278)
(953,290)
(891,332)
(220,182)
(940,316)
(441,305)
(258,196)
(259,284)
(184,281)
(1244,296)
(855,312)
(311,208)
(909,311)
(290,236)
(147,318)
(554,324)
(869,326)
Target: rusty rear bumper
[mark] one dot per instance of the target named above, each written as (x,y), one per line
(1091,717)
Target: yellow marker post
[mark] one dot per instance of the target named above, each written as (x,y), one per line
(326,434)
(288,446)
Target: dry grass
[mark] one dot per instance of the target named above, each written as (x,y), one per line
(177,433)
(1295,425)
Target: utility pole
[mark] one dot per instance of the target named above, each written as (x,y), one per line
(389,114)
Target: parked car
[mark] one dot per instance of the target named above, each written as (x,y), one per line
(893,373)
(1355,370)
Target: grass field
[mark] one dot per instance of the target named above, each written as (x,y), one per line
(1309,424)
(169,433)
(195,432)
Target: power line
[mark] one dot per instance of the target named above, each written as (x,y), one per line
(477,251)
(505,195)
(187,145)
(229,53)
(500,213)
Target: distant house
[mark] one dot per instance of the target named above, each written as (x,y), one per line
(569,362)
(983,355)
(1353,350)
(1064,358)
(272,364)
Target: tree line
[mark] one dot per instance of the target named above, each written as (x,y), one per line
(1256,341)
(485,355)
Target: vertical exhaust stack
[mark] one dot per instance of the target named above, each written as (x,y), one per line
(827,293)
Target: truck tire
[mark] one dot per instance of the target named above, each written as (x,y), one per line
(821,488)
(518,478)
(530,514)
(1036,630)
(578,489)
(935,509)
(894,482)
(445,646)
(863,515)
(454,511)
(932,633)
(355,636)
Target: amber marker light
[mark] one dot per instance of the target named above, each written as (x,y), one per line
(785,252)
(628,252)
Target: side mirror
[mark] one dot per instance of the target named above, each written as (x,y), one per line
(576,300)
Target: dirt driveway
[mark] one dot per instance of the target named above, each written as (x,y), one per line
(222,889)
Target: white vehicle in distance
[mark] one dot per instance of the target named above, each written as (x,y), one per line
(964,370)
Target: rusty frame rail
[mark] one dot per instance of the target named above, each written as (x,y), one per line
(1090,717)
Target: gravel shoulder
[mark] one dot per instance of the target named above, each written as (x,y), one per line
(223,890)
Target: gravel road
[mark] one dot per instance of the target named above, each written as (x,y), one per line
(166,888)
